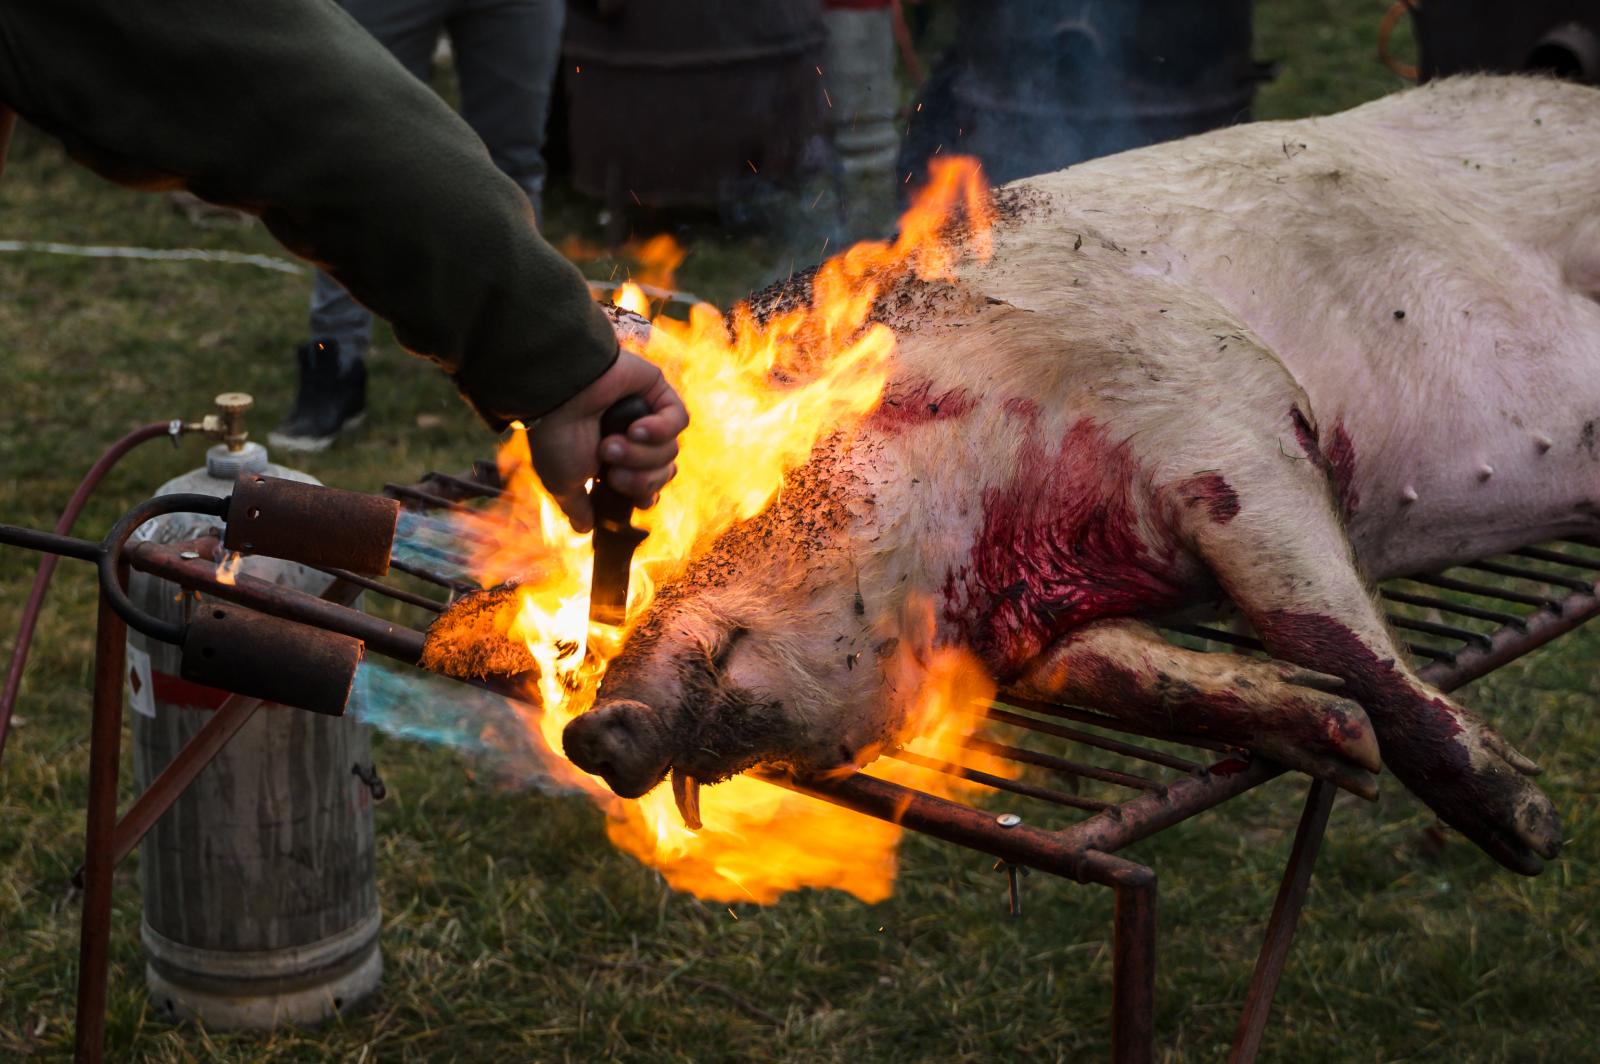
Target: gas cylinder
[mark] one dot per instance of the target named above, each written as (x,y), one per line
(260,898)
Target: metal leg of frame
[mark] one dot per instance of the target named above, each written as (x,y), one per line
(1134,972)
(105,749)
(1281,927)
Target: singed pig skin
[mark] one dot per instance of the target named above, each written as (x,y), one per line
(1258,365)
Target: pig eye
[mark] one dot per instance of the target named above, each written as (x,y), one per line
(719,654)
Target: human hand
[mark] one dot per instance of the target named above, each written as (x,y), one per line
(568,451)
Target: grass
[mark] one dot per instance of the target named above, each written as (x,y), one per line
(513,931)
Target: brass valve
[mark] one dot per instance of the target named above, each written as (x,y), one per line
(227,424)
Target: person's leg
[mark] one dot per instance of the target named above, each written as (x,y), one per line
(506,54)
(410,30)
(332,392)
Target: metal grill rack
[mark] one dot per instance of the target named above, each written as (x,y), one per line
(1094,784)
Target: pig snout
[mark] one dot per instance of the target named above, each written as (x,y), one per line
(623,742)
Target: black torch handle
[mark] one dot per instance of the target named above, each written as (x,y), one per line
(612,509)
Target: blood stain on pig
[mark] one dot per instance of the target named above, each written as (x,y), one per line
(910,404)
(1212,491)
(1060,546)
(1337,460)
(1420,732)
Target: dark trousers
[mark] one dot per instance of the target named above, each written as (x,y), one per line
(506,53)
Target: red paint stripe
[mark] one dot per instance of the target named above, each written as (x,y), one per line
(176,691)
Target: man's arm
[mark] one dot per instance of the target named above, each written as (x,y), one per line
(288,109)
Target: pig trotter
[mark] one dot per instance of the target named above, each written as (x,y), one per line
(1459,766)
(623,742)
(1283,712)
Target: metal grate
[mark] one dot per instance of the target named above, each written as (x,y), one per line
(1092,782)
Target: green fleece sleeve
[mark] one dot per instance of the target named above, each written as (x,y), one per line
(288,109)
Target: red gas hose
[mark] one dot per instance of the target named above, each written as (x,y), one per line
(47,567)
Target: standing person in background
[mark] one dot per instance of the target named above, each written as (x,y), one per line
(289,110)
(505,52)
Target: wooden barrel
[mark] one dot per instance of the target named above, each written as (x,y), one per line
(260,902)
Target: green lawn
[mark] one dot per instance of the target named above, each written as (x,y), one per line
(515,932)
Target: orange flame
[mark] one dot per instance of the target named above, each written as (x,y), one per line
(761,395)
(228,567)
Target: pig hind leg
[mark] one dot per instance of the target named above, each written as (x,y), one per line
(1283,556)
(1281,711)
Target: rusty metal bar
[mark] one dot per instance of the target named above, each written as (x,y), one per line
(1286,909)
(1450,583)
(1507,645)
(105,742)
(391,640)
(431,577)
(1534,576)
(1544,554)
(1449,631)
(1083,716)
(1115,746)
(410,598)
(428,498)
(941,818)
(1446,606)
(1218,635)
(1000,783)
(1062,765)
(471,488)
(1133,959)
(1124,825)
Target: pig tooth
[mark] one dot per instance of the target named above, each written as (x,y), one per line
(1485,471)
(686,792)
(1543,442)
(1409,495)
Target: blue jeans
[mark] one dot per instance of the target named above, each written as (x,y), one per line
(506,53)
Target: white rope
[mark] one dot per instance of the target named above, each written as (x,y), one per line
(266,262)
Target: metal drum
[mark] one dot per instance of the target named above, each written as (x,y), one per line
(677,103)
(1560,37)
(1033,86)
(260,901)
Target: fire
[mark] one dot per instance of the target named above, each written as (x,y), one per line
(228,567)
(761,395)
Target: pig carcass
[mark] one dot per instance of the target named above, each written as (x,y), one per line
(1264,365)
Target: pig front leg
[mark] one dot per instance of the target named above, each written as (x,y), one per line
(1283,712)
(1285,559)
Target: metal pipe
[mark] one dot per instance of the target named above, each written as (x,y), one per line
(1446,606)
(1100,742)
(105,739)
(1017,843)
(1450,583)
(49,543)
(1062,766)
(69,517)
(1133,967)
(383,637)
(116,540)
(999,783)
(1147,814)
(1281,925)
(1507,644)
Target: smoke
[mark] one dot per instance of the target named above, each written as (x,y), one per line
(1034,86)
(484,728)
